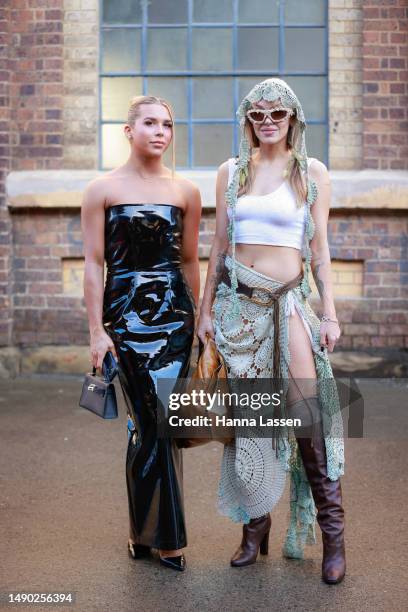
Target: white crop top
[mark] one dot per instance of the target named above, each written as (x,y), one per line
(273,218)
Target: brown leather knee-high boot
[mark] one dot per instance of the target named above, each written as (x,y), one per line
(255,535)
(326,494)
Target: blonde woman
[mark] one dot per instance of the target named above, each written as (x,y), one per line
(143,219)
(272,206)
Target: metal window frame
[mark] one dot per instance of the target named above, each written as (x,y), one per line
(235,73)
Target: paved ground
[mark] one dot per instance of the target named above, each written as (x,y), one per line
(64,515)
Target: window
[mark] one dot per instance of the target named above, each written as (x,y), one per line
(204,56)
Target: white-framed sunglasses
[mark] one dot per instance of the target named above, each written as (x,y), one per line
(276,115)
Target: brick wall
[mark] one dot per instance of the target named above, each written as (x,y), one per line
(43,313)
(5,162)
(385,84)
(380,318)
(36,87)
(345,87)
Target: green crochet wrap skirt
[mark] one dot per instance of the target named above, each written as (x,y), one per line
(253,473)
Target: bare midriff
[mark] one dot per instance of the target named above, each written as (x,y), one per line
(279,262)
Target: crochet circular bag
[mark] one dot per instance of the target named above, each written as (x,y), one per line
(251,468)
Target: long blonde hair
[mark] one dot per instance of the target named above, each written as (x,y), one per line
(293,170)
(133,113)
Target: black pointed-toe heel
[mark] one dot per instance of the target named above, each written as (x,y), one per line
(138,551)
(177,563)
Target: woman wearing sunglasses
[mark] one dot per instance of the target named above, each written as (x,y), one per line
(272,207)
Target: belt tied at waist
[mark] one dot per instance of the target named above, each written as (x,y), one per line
(274,296)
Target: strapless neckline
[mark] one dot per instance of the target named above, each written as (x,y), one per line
(143,204)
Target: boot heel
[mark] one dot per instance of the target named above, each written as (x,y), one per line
(253,541)
(263,549)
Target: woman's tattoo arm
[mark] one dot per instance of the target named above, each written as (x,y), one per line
(214,275)
(318,280)
(218,273)
(321,269)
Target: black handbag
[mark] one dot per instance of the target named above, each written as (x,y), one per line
(98,393)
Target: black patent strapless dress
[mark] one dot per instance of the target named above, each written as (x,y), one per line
(148,312)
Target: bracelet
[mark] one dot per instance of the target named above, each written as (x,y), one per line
(325,318)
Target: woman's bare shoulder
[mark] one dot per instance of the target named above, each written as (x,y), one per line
(187,186)
(318,170)
(95,191)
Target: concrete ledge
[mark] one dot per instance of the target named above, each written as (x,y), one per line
(361,189)
(74,360)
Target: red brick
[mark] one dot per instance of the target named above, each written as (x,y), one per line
(370,13)
(380,3)
(397,113)
(380,75)
(371,139)
(398,63)
(44,288)
(372,63)
(370,113)
(378,341)
(359,316)
(382,25)
(379,50)
(379,151)
(398,38)
(393,329)
(382,292)
(396,88)
(371,37)
(398,164)
(397,12)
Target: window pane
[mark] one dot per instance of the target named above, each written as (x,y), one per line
(213,98)
(115,146)
(312,11)
(122,11)
(167,11)
(258,48)
(212,49)
(116,95)
(212,11)
(316,141)
(212,144)
(181,148)
(305,49)
(121,50)
(259,11)
(173,89)
(311,92)
(166,49)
